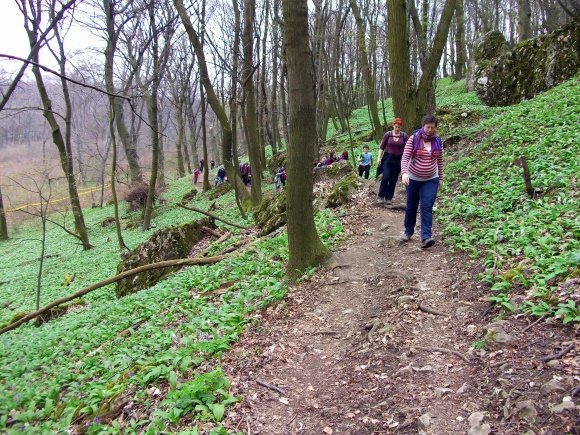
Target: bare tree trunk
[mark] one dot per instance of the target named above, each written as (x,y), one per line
(59,141)
(524,20)
(274,91)
(112,39)
(212,99)
(3,225)
(304,244)
(412,103)
(370,85)
(459,40)
(206,185)
(153,115)
(250,99)
(129,143)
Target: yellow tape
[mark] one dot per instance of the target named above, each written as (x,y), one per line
(80,192)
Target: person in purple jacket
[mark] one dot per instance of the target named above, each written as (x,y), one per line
(390,153)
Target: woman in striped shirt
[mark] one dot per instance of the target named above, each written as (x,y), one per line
(422,168)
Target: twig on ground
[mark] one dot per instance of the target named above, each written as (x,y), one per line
(533,323)
(443,350)
(430,310)
(270,387)
(211,215)
(212,232)
(559,354)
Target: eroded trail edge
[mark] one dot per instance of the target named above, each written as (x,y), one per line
(380,342)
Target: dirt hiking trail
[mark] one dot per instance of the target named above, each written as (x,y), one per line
(380,342)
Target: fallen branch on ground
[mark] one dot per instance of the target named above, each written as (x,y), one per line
(211,215)
(430,310)
(559,354)
(212,232)
(111,280)
(270,387)
(532,324)
(443,350)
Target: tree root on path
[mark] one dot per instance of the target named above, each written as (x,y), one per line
(443,350)
(559,354)
(430,310)
(270,387)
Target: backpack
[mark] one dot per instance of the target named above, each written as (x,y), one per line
(283,176)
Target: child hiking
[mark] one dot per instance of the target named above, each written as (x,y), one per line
(365,161)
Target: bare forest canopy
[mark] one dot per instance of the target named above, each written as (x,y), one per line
(138,97)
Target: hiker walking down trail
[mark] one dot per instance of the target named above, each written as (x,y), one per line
(365,161)
(389,157)
(201,165)
(280,178)
(195,175)
(212,164)
(422,167)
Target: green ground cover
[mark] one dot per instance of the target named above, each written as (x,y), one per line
(74,369)
(528,246)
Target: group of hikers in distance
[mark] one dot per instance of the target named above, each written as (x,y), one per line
(419,157)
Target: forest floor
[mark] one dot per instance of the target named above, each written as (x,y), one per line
(391,338)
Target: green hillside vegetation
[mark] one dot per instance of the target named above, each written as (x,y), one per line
(526,246)
(156,350)
(75,369)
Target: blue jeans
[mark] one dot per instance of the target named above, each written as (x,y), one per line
(364,170)
(391,170)
(423,193)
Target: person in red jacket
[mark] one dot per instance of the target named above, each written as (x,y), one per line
(422,168)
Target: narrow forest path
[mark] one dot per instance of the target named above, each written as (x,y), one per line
(354,350)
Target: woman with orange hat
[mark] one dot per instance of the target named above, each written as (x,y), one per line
(389,157)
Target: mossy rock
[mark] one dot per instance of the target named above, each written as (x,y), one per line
(166,244)
(189,196)
(277,161)
(451,117)
(341,191)
(336,170)
(271,213)
(532,67)
(220,190)
(489,46)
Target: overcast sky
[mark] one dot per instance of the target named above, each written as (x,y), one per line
(13,39)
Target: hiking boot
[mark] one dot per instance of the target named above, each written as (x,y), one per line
(427,243)
(388,202)
(404,238)
(380,200)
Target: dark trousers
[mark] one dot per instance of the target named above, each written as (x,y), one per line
(391,170)
(364,169)
(421,193)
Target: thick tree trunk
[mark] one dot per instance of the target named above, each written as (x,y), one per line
(524,20)
(250,100)
(304,244)
(409,103)
(459,40)
(370,85)
(3,224)
(399,70)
